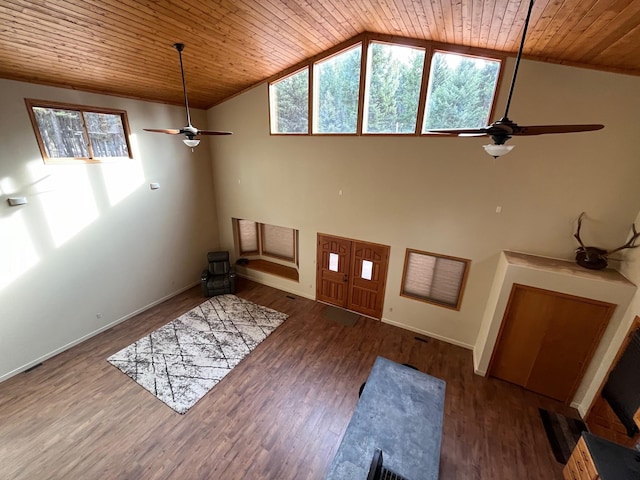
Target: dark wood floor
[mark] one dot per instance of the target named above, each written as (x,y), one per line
(280,414)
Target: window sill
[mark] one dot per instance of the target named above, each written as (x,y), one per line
(272,268)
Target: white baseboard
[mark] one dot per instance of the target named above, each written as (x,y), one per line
(428,334)
(55,352)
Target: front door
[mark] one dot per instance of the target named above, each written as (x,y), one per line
(333,264)
(352,274)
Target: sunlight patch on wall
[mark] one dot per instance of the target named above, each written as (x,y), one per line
(7,186)
(17,254)
(67,200)
(121,179)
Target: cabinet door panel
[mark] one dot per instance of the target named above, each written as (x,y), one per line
(574,330)
(548,339)
(523,329)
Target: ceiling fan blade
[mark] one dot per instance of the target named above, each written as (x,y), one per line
(502,130)
(213,132)
(189,131)
(171,131)
(462,132)
(545,129)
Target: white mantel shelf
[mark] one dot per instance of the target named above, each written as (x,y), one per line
(565,267)
(561,276)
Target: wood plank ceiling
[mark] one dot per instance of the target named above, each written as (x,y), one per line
(123,47)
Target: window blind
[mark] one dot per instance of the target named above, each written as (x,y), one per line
(433,278)
(278,242)
(248,236)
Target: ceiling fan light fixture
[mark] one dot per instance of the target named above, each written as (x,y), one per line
(497,150)
(191,142)
(189,131)
(502,130)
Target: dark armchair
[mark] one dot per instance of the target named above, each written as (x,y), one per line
(220,277)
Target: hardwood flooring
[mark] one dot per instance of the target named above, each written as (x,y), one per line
(280,414)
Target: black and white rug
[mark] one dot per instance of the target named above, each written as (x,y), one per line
(181,361)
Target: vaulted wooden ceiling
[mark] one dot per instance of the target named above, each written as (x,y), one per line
(124,47)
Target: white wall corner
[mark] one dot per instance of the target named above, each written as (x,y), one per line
(484,345)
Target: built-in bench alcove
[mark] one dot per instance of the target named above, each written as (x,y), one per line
(271,268)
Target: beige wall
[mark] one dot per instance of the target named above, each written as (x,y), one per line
(94,239)
(441,194)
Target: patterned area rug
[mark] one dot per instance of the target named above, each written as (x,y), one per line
(181,361)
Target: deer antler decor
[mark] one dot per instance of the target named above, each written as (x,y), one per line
(596,258)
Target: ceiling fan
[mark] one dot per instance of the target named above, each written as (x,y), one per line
(503,129)
(190,132)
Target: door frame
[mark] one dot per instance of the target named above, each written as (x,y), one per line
(351,267)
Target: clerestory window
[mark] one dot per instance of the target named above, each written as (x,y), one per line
(74,133)
(385,88)
(461,91)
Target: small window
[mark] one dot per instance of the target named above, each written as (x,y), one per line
(392,93)
(336,90)
(264,240)
(434,278)
(289,102)
(75,133)
(279,242)
(248,237)
(461,91)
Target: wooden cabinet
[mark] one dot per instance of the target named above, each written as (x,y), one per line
(547,340)
(580,465)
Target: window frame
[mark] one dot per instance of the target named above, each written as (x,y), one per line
(314,89)
(463,280)
(426,62)
(240,249)
(261,253)
(273,108)
(82,109)
(426,74)
(266,253)
(366,39)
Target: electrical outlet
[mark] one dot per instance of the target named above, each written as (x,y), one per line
(98,316)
